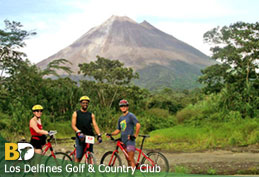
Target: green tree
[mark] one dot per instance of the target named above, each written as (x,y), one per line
(237,47)
(60,97)
(11,40)
(23,85)
(108,76)
(55,65)
(214,78)
(171,100)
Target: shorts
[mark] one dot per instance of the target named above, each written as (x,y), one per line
(39,142)
(80,147)
(131,148)
(130,145)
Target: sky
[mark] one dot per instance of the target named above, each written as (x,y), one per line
(59,23)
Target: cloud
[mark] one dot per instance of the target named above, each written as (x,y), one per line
(173,9)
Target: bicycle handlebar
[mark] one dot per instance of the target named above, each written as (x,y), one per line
(52,136)
(74,137)
(119,139)
(52,132)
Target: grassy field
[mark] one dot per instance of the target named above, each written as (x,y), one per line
(210,135)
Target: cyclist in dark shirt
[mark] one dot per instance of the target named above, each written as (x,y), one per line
(83,123)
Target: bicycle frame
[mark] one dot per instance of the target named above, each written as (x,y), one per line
(120,145)
(145,156)
(48,146)
(85,151)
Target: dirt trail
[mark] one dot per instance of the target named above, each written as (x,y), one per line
(218,162)
(224,162)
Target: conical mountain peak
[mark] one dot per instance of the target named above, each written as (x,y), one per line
(120,18)
(137,45)
(116,19)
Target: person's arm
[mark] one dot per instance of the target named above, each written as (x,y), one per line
(137,129)
(73,123)
(96,128)
(136,123)
(33,124)
(116,132)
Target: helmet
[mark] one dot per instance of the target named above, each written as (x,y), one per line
(123,103)
(84,98)
(37,107)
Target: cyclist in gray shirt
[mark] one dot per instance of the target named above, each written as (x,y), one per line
(126,125)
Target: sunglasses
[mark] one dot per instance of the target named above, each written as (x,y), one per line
(38,111)
(123,106)
(84,102)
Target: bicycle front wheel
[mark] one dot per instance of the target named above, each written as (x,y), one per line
(111,159)
(71,155)
(156,158)
(61,160)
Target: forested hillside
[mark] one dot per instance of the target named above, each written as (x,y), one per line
(224,113)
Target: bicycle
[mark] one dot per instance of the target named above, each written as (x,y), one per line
(55,159)
(147,164)
(89,156)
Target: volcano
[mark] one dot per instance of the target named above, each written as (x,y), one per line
(160,59)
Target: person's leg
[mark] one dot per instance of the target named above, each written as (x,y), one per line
(131,151)
(131,158)
(91,148)
(78,159)
(79,150)
(36,158)
(38,151)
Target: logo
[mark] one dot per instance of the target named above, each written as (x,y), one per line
(123,125)
(18,151)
